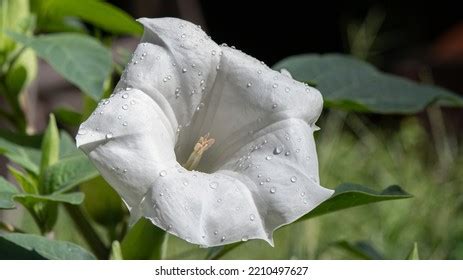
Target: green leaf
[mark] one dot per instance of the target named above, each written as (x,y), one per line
(345,196)
(74,198)
(28,184)
(68,173)
(360,250)
(79,58)
(102,202)
(26,157)
(414,254)
(351,195)
(144,241)
(98,13)
(67,116)
(7,193)
(351,84)
(50,145)
(29,246)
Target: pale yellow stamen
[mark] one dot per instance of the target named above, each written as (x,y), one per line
(203,144)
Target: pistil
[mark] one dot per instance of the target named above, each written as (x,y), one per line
(203,144)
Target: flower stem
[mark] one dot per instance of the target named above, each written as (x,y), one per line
(87,231)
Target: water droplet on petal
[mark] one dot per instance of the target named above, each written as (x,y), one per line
(302,193)
(222,239)
(185,183)
(215,232)
(245,238)
(259,72)
(249,84)
(125,96)
(184,70)
(274,106)
(287,153)
(213,185)
(169,227)
(124,171)
(252,217)
(272,190)
(304,201)
(287,89)
(163,173)
(109,135)
(132,102)
(219,200)
(275,85)
(277,150)
(183,35)
(259,175)
(293,179)
(106,102)
(124,123)
(128,88)
(119,117)
(213,52)
(268,157)
(125,107)
(268,179)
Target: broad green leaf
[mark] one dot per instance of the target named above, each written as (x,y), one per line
(98,13)
(345,196)
(28,184)
(74,198)
(67,116)
(102,202)
(351,84)
(351,195)
(28,158)
(50,145)
(79,58)
(68,173)
(29,246)
(7,193)
(144,241)
(360,250)
(414,254)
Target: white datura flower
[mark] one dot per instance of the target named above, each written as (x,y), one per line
(206,142)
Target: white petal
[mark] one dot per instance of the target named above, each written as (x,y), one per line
(261,173)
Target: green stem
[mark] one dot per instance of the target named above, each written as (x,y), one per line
(87,231)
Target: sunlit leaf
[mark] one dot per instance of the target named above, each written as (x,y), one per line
(79,58)
(98,13)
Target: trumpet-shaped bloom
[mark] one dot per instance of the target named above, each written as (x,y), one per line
(207,142)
